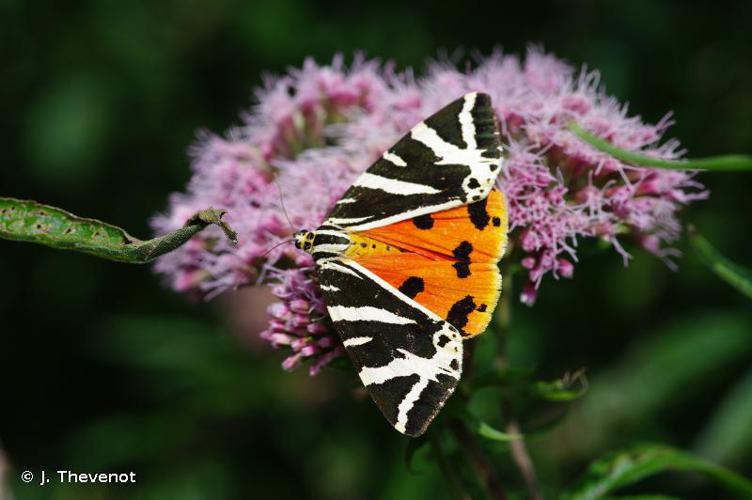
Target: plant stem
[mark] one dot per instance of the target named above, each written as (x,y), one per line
(732,273)
(520,454)
(477,458)
(450,476)
(725,163)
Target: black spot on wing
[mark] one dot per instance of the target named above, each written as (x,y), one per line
(496,222)
(462,254)
(443,340)
(463,268)
(423,221)
(455,364)
(412,286)
(463,251)
(473,183)
(460,311)
(482,308)
(479,214)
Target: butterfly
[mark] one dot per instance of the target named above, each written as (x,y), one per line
(407,260)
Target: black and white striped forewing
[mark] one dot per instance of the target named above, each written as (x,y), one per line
(450,159)
(409,359)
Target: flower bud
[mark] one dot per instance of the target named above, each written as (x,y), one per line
(529,294)
(528,262)
(564,268)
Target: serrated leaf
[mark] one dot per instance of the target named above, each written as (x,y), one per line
(29,221)
(732,273)
(632,465)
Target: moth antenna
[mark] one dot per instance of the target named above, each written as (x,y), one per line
(282,203)
(277,245)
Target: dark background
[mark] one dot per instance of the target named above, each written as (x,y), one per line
(104,369)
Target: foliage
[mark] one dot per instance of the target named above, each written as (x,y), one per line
(732,273)
(29,221)
(626,467)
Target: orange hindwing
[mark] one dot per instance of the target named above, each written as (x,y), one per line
(446,261)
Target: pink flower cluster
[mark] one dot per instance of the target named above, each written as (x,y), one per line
(316,128)
(298,321)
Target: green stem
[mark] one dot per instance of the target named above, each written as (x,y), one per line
(29,221)
(146,251)
(520,454)
(735,275)
(725,163)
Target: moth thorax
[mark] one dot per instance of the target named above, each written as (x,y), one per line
(322,243)
(304,240)
(363,246)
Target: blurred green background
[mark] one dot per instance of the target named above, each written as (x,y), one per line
(103,369)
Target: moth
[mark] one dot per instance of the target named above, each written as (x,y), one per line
(407,260)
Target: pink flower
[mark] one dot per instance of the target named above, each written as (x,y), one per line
(299,322)
(316,128)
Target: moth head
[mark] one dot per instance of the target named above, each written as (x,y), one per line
(304,240)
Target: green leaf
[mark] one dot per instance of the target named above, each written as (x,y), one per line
(654,374)
(29,221)
(634,464)
(727,438)
(725,163)
(735,275)
(568,388)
